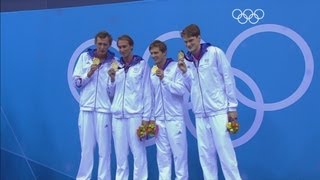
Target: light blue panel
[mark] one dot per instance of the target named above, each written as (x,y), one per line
(276,63)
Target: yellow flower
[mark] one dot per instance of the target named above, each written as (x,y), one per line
(152,129)
(233,127)
(142,132)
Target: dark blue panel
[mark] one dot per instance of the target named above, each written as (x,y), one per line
(9,140)
(14,167)
(19,5)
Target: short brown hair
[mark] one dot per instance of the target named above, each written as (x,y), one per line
(190,31)
(103,34)
(157,43)
(127,38)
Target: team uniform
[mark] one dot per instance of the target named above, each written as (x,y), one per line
(131,104)
(168,113)
(212,87)
(95,116)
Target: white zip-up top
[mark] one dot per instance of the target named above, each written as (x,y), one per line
(132,96)
(211,82)
(168,93)
(96,91)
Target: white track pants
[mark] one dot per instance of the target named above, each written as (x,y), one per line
(94,127)
(172,139)
(213,138)
(125,136)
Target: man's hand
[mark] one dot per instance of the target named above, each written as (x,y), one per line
(145,123)
(93,68)
(159,73)
(232,116)
(182,65)
(152,121)
(112,74)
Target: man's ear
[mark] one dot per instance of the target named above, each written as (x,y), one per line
(199,37)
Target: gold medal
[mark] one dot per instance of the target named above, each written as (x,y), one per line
(154,69)
(96,61)
(181,55)
(114,65)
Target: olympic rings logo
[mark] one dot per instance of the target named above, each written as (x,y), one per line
(248,15)
(258,104)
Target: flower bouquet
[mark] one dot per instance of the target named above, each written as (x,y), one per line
(142,132)
(147,131)
(152,129)
(233,127)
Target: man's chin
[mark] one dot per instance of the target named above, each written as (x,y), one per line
(191,50)
(101,53)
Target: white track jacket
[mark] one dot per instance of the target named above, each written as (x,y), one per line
(168,93)
(210,82)
(132,96)
(96,91)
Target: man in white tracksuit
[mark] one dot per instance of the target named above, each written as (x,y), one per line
(168,90)
(208,76)
(131,108)
(91,78)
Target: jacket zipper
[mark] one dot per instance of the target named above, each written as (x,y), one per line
(205,113)
(95,98)
(124,91)
(161,93)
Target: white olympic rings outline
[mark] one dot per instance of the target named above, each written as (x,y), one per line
(248,15)
(259,104)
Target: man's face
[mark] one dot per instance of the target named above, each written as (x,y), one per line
(192,43)
(124,48)
(158,56)
(102,45)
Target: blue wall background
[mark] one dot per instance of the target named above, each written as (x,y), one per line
(275,60)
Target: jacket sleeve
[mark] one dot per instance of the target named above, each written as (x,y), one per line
(147,95)
(80,78)
(111,85)
(228,79)
(187,79)
(175,86)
